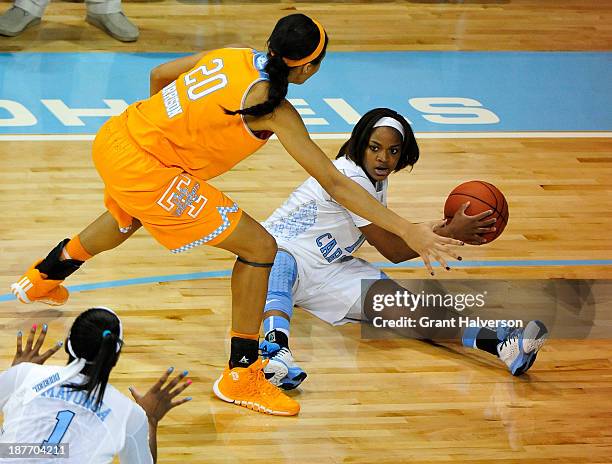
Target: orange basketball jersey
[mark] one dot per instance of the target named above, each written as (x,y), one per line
(184,124)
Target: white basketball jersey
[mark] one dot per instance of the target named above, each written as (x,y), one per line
(63,416)
(313,226)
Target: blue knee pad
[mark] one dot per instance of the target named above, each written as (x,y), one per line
(280,284)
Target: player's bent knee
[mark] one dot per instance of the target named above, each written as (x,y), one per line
(271,246)
(264,249)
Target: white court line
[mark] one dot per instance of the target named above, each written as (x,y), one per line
(344,136)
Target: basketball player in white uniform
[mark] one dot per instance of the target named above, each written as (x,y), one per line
(315,267)
(72,410)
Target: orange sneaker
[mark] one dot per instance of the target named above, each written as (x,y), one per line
(34,286)
(248,387)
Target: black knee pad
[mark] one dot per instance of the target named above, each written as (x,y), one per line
(56,269)
(250,263)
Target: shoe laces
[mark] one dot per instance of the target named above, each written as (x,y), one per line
(283,354)
(512,337)
(269,349)
(258,384)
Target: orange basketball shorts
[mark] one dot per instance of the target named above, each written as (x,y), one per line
(178,209)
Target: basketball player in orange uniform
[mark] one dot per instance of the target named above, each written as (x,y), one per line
(207,112)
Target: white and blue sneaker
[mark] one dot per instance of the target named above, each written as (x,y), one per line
(281,369)
(519,347)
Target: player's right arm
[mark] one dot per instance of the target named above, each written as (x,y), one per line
(287,124)
(137,448)
(24,357)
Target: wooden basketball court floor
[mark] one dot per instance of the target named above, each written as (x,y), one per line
(364,401)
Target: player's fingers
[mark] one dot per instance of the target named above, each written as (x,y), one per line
(41,338)
(448,241)
(162,380)
(19,342)
(30,339)
(439,223)
(483,215)
(135,394)
(444,250)
(463,207)
(175,381)
(487,222)
(486,230)
(438,257)
(50,352)
(427,262)
(176,403)
(477,240)
(178,390)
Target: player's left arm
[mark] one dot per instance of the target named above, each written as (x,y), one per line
(388,244)
(462,227)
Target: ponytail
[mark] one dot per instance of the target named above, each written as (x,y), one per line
(295,37)
(278,74)
(95,337)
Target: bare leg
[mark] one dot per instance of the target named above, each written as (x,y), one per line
(243,382)
(253,243)
(42,282)
(103,234)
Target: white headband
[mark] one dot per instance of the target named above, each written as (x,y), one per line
(386,121)
(37,387)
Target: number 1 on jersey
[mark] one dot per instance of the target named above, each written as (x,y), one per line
(198,89)
(64,418)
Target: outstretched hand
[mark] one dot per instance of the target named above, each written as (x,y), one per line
(159,399)
(31,352)
(469,228)
(430,246)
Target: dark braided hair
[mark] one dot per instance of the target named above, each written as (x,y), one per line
(294,37)
(355,147)
(91,340)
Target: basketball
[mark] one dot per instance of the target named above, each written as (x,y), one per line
(482,197)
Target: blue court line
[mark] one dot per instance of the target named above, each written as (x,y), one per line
(383,264)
